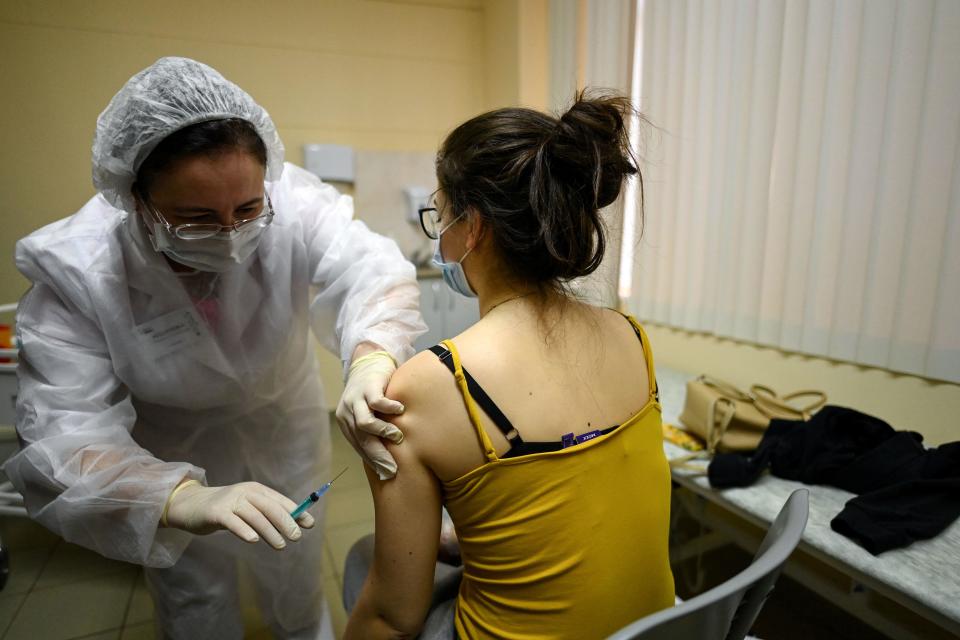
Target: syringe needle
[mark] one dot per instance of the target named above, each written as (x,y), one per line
(313,497)
(338,475)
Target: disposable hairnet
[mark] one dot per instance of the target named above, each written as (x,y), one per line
(169,95)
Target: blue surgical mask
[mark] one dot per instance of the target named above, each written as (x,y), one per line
(452,272)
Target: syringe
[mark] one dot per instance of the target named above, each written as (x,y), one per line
(313,497)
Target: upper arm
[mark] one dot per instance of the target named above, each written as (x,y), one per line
(400,582)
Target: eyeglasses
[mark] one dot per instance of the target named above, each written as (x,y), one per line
(430,221)
(199,231)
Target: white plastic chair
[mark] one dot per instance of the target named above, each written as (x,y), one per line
(727,611)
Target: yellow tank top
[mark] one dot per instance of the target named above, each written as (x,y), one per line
(571,543)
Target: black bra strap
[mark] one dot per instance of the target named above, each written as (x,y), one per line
(527,448)
(482,399)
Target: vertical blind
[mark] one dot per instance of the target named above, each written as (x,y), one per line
(803,191)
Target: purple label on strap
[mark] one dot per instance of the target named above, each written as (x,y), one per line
(567,440)
(590,435)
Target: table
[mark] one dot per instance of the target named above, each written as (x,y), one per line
(924,577)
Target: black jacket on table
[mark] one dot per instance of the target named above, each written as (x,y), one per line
(906,491)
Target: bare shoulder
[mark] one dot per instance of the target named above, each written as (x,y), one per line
(435,424)
(629,342)
(427,389)
(414,382)
(620,324)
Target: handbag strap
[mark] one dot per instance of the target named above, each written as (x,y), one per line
(719,421)
(685,462)
(727,389)
(768,402)
(717,425)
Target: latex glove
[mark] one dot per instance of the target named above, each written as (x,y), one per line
(362,395)
(249,510)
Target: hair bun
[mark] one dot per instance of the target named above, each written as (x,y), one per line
(540,180)
(591,141)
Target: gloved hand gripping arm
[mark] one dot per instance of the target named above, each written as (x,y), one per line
(362,396)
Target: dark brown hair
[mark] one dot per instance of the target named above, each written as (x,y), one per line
(538,182)
(209,138)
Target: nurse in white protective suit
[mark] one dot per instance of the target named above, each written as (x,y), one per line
(168,388)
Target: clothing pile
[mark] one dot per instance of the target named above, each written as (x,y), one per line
(906,492)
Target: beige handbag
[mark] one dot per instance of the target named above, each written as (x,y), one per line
(728,419)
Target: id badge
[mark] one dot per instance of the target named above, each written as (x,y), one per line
(171,332)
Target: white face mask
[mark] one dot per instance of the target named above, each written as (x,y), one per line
(218,253)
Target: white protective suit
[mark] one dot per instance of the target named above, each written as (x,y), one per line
(126,388)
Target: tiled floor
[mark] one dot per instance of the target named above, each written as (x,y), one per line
(58,591)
